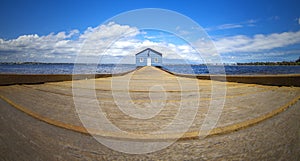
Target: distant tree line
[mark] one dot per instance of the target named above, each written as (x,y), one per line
(297,62)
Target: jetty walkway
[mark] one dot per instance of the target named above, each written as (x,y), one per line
(48,121)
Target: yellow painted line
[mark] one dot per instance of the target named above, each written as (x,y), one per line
(45,119)
(247,123)
(134,136)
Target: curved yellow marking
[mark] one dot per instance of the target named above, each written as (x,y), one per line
(247,123)
(45,119)
(187,135)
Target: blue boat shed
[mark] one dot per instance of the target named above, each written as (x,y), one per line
(148,57)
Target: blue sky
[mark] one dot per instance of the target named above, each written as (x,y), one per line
(242,31)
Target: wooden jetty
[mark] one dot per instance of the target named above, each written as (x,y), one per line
(140,103)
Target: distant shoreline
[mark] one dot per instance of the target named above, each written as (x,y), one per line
(225,64)
(270,64)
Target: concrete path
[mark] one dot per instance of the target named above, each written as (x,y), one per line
(247,106)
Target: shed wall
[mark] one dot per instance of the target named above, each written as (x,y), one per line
(141,58)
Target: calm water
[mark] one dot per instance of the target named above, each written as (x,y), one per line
(64,68)
(234,70)
(109,68)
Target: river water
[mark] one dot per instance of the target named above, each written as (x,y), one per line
(111,68)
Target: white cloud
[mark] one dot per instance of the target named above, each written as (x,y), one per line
(62,45)
(169,50)
(248,23)
(241,48)
(229,26)
(41,43)
(299,20)
(115,40)
(110,40)
(257,43)
(109,31)
(224,26)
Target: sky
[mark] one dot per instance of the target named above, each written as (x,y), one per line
(233,30)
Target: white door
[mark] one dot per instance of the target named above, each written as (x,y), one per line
(148,61)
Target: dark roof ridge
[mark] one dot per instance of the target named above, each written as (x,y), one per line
(150,50)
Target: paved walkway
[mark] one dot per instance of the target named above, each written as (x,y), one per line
(149,89)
